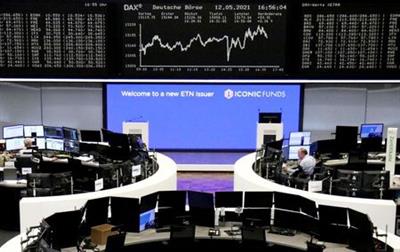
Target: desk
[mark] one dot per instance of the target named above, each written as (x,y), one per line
(10,195)
(342,162)
(33,210)
(297,242)
(381,212)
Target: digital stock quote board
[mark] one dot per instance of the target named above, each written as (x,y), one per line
(225,39)
(130,39)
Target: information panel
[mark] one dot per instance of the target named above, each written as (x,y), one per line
(222,39)
(53,38)
(350,37)
(206,116)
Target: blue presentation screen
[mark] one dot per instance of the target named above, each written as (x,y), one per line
(202,116)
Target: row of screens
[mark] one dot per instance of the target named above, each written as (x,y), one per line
(39,131)
(18,131)
(366,131)
(55,144)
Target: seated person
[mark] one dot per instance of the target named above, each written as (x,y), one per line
(306,165)
(28,145)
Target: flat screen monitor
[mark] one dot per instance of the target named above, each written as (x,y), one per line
(200,200)
(372,130)
(148,202)
(277,145)
(53,132)
(372,144)
(294,149)
(13,131)
(15,144)
(70,134)
(71,146)
(258,199)
(55,144)
(115,139)
(33,130)
(41,143)
(229,199)
(300,138)
(146,220)
(90,135)
(269,117)
(346,138)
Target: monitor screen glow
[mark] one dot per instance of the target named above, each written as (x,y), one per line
(147,220)
(38,129)
(13,131)
(15,144)
(55,144)
(300,138)
(371,131)
(294,149)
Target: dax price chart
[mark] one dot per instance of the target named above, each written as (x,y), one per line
(196,39)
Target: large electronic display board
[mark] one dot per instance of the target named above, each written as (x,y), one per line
(207,116)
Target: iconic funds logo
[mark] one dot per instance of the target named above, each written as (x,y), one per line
(228,94)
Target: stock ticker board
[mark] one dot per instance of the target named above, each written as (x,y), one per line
(205,39)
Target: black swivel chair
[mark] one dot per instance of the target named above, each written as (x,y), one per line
(116,242)
(254,238)
(182,236)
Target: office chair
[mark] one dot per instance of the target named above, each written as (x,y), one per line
(182,236)
(115,242)
(253,237)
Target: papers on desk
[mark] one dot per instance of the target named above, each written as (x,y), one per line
(84,159)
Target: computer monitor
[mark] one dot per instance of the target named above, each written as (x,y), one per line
(201,206)
(148,202)
(13,131)
(146,220)
(372,144)
(90,135)
(148,205)
(229,199)
(258,199)
(41,143)
(294,149)
(115,139)
(55,144)
(96,212)
(125,212)
(70,134)
(277,145)
(14,144)
(53,132)
(33,131)
(269,117)
(371,130)
(300,138)
(71,146)
(346,138)
(287,201)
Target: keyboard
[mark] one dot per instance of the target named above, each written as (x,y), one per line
(282,231)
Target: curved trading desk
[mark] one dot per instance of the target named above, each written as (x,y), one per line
(33,210)
(381,212)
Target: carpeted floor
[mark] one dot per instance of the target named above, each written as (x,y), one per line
(205,181)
